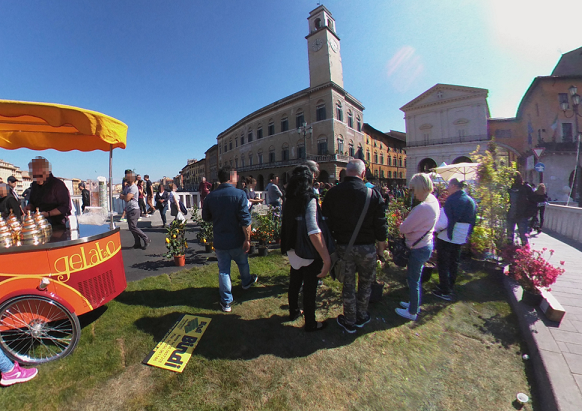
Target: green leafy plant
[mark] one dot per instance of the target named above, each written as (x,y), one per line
(206,233)
(176,239)
(481,241)
(266,226)
(494,177)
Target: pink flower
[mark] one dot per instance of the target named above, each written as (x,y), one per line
(562,262)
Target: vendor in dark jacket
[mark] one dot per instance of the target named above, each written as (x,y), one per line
(522,207)
(49,194)
(342,206)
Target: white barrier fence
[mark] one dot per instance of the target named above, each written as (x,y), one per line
(189,198)
(563,220)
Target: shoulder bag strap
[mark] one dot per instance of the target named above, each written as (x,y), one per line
(424,235)
(360,221)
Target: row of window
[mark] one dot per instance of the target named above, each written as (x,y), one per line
(390,174)
(339,114)
(320,115)
(391,161)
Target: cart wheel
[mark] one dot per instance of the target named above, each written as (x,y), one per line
(35,330)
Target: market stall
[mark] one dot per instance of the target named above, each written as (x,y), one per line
(48,277)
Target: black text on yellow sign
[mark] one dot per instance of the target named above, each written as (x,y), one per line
(175,349)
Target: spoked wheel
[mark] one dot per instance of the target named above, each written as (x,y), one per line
(35,330)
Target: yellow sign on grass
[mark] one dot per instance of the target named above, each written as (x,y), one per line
(175,349)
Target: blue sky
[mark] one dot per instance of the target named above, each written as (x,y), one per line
(180,72)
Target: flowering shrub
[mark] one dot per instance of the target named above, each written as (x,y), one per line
(529,267)
(395,214)
(176,239)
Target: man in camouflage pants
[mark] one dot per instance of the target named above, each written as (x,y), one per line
(342,206)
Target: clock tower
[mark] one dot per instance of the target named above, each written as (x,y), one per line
(323,46)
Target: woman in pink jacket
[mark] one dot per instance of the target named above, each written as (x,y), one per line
(418,230)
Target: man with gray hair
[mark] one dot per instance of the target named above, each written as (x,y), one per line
(343,206)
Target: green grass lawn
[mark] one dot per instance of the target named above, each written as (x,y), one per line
(460,356)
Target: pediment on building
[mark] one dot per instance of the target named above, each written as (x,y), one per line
(443,93)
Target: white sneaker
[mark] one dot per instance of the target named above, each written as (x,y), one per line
(404,304)
(404,313)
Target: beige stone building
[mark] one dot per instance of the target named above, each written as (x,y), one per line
(211,164)
(322,122)
(7,169)
(543,122)
(385,155)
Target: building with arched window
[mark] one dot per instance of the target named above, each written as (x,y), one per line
(385,155)
(332,116)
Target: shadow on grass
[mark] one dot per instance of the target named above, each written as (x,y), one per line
(231,337)
(200,297)
(92,316)
(192,258)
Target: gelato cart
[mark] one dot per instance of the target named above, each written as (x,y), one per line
(50,276)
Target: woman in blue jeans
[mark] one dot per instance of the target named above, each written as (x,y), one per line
(12,373)
(418,229)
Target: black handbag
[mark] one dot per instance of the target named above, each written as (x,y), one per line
(401,252)
(303,246)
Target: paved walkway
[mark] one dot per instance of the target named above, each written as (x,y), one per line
(560,344)
(140,264)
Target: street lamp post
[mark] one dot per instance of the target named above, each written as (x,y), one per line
(305,130)
(565,106)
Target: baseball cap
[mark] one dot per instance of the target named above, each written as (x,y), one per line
(456,182)
(12,179)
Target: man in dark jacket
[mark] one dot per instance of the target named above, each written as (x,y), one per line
(342,206)
(460,213)
(85,196)
(16,206)
(522,208)
(49,194)
(8,202)
(227,208)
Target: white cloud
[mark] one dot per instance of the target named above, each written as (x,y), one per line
(404,68)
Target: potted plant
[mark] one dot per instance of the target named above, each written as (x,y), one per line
(531,271)
(264,231)
(205,235)
(494,177)
(176,242)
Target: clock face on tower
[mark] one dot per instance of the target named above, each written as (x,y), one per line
(317,45)
(333,45)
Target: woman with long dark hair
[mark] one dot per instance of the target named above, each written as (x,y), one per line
(301,207)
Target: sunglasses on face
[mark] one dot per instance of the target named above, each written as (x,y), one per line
(38,175)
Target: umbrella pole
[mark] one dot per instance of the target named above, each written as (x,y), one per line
(111,225)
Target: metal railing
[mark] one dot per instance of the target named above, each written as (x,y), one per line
(558,146)
(448,140)
(189,198)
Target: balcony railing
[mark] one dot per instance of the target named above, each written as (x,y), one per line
(448,140)
(558,146)
(340,158)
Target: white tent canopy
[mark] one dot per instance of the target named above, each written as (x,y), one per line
(460,171)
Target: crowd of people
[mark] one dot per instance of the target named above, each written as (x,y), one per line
(350,219)
(318,219)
